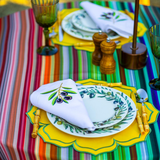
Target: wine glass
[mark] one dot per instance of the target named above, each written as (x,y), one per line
(155,46)
(45,12)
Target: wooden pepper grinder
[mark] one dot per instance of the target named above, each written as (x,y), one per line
(97,54)
(107,63)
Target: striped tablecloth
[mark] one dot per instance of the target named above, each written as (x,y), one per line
(22,71)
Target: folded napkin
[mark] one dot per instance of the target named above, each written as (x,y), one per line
(109,19)
(62,98)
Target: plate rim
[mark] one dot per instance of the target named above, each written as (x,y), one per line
(102,134)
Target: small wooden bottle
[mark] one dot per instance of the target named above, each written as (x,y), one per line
(107,63)
(97,54)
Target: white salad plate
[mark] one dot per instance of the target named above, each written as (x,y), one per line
(72,30)
(110,110)
(82,21)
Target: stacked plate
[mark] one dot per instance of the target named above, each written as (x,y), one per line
(110,110)
(79,25)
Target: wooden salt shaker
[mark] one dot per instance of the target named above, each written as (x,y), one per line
(107,63)
(97,54)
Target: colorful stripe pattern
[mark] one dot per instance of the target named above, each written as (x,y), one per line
(22,71)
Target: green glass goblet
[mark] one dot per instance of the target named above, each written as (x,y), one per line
(155,46)
(45,12)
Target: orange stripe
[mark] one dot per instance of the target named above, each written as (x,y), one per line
(53,152)
(42,149)
(47,70)
(57,64)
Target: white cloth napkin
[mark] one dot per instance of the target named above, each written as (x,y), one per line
(62,98)
(109,19)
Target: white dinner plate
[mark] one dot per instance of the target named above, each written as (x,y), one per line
(110,110)
(70,29)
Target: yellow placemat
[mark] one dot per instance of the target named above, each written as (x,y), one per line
(70,41)
(127,137)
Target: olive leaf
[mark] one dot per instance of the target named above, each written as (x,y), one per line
(49,91)
(52,95)
(66,87)
(56,119)
(64,100)
(54,100)
(117,17)
(121,20)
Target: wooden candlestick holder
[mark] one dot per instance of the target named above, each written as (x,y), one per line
(134,55)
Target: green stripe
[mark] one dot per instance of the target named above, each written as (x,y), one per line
(102,3)
(116,154)
(127,77)
(127,152)
(104,156)
(149,146)
(117,76)
(93,157)
(137,79)
(110,4)
(65,6)
(58,152)
(70,63)
(82,156)
(52,69)
(48,150)
(61,62)
(72,4)
(138,151)
(70,153)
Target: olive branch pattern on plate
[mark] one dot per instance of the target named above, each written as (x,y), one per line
(112,16)
(109,130)
(60,94)
(103,92)
(104,131)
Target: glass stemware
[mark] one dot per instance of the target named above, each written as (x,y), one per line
(155,46)
(45,12)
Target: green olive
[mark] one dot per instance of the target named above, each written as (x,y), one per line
(59,122)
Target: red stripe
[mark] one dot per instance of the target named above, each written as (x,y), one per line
(133,152)
(69,5)
(31,144)
(76,155)
(26,91)
(75,64)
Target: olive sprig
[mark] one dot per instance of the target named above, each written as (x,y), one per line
(60,94)
(112,16)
